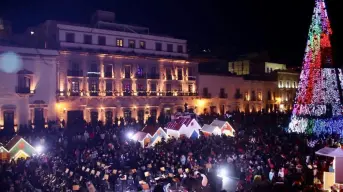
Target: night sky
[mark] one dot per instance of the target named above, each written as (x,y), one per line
(226,27)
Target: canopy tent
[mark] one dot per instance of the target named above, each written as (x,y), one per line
(337,154)
(330,152)
(156,133)
(209,129)
(143,138)
(150,135)
(16,148)
(183,126)
(224,126)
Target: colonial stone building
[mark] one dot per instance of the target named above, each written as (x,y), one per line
(27,86)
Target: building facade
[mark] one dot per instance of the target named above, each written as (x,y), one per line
(220,94)
(287,86)
(108,70)
(27,87)
(105,86)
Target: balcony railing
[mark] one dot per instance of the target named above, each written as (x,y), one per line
(191,94)
(75,93)
(142,93)
(127,75)
(93,74)
(140,76)
(93,93)
(127,93)
(192,78)
(153,76)
(169,93)
(108,74)
(109,93)
(223,95)
(23,90)
(75,73)
(153,93)
(206,95)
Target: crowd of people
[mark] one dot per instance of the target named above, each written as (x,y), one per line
(103,158)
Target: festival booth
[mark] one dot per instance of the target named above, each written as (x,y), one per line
(209,130)
(224,126)
(19,148)
(156,133)
(335,177)
(150,135)
(4,153)
(183,126)
(143,138)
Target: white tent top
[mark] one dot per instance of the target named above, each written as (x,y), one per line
(209,128)
(218,123)
(140,136)
(330,152)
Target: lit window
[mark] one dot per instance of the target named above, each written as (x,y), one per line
(120,43)
(75,87)
(190,88)
(280,84)
(246,96)
(259,95)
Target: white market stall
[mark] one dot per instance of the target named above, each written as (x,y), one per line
(156,133)
(336,177)
(183,126)
(143,138)
(209,130)
(150,135)
(224,126)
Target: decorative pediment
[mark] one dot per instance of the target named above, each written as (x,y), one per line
(38,102)
(8,107)
(24,72)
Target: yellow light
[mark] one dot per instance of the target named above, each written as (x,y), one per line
(58,106)
(201,103)
(278,99)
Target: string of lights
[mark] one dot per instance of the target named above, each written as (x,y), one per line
(317,106)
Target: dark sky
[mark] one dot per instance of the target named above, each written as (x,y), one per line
(226,27)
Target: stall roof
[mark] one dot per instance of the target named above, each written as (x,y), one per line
(151,129)
(12,142)
(209,128)
(177,123)
(139,136)
(330,152)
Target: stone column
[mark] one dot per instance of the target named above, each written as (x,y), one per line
(23,111)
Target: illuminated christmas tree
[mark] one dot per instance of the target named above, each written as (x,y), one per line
(318,103)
